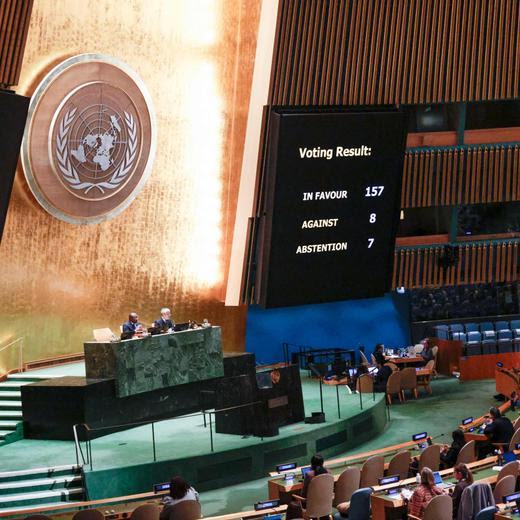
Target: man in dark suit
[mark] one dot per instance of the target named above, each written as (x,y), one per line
(132,326)
(498,431)
(164,323)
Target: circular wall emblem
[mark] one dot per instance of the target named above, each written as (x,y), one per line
(90,139)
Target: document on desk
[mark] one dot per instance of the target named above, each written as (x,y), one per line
(406,493)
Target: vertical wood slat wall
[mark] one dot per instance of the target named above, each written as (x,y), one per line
(477,263)
(373,52)
(356,52)
(461,176)
(14,24)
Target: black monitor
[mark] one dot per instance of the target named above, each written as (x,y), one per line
(263,380)
(179,327)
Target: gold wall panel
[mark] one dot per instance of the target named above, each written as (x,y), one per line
(171,246)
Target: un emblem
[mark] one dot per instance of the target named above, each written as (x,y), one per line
(99,137)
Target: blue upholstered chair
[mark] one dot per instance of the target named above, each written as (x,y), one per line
(515,324)
(489,342)
(459,336)
(441,331)
(516,339)
(504,341)
(473,343)
(456,327)
(470,327)
(487,513)
(501,325)
(486,325)
(359,506)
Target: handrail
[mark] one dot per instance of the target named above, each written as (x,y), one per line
(88,430)
(77,445)
(20,342)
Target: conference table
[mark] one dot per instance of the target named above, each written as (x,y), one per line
(403,362)
(506,514)
(385,506)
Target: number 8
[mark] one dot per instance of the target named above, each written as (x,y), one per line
(372,218)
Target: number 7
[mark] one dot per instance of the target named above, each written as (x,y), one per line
(370,242)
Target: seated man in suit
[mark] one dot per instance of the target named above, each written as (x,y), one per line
(132,327)
(498,431)
(164,323)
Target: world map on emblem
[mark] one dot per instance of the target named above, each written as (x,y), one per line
(96,142)
(90,141)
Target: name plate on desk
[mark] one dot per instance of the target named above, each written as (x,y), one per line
(164,360)
(275,402)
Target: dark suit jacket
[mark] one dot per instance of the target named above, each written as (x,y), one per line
(128,326)
(163,324)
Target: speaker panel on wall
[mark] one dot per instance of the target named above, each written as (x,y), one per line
(13,114)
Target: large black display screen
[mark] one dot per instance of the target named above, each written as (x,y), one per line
(331,205)
(13,113)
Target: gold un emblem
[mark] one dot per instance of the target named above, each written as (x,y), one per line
(90,139)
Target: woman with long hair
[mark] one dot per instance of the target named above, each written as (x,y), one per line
(317,468)
(423,493)
(449,454)
(464,479)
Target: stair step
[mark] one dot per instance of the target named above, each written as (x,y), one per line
(5,433)
(21,509)
(8,425)
(39,484)
(11,404)
(60,495)
(27,376)
(10,414)
(70,468)
(15,383)
(11,395)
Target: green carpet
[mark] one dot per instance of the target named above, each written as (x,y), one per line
(439,413)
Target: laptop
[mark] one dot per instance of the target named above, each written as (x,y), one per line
(438,480)
(305,470)
(373,370)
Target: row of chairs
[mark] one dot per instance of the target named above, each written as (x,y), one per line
(501,342)
(354,486)
(185,510)
(448,331)
(399,382)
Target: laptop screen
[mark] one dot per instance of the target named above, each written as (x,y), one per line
(305,470)
(437,477)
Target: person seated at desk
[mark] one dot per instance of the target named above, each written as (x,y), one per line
(464,479)
(498,430)
(379,354)
(449,454)
(423,493)
(383,373)
(165,322)
(427,352)
(179,490)
(317,468)
(132,327)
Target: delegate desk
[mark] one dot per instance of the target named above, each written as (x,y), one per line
(403,362)
(279,488)
(154,362)
(385,507)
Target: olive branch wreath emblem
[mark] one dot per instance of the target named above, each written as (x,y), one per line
(70,174)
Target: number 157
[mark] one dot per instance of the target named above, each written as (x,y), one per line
(374,191)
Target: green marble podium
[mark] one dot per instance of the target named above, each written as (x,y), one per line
(164,360)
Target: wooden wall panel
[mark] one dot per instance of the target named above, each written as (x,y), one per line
(14,24)
(356,52)
(477,263)
(461,175)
